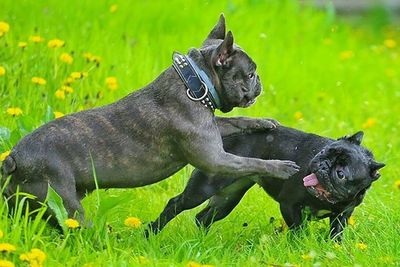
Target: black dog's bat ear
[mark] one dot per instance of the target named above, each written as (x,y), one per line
(218,32)
(224,51)
(375,166)
(355,138)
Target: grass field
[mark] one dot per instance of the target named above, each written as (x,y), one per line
(322,74)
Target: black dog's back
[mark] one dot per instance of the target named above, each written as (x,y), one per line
(278,143)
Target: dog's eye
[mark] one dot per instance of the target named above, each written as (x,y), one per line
(340,174)
(251,75)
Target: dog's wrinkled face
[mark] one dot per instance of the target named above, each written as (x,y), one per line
(238,84)
(341,170)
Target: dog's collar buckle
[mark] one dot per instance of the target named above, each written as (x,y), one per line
(199,85)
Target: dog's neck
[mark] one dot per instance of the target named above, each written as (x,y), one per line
(194,72)
(203,60)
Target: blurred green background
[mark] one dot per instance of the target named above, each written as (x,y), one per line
(321,72)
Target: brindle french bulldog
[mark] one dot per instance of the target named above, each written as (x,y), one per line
(148,135)
(332,181)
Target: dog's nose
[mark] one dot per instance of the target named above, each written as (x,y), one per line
(258,91)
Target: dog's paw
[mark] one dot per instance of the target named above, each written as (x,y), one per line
(259,125)
(282,169)
(266,124)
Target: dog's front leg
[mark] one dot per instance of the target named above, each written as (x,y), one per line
(236,125)
(338,223)
(291,213)
(203,148)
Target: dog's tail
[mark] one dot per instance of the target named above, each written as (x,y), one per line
(7,168)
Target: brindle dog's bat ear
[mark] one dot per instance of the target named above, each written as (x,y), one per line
(224,51)
(375,166)
(356,138)
(218,32)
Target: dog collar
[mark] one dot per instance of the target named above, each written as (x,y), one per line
(199,85)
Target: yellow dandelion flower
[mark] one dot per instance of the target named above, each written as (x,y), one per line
(369,123)
(351,221)
(76,75)
(133,222)
(298,115)
(60,94)
(91,58)
(3,156)
(113,86)
(337,246)
(6,247)
(4,27)
(71,223)
(36,39)
(2,71)
(390,43)
(14,111)
(361,246)
(24,257)
(66,58)
(196,264)
(143,260)
(397,184)
(55,43)
(69,80)
(39,81)
(85,74)
(22,44)
(311,255)
(67,89)
(87,56)
(38,254)
(96,59)
(58,114)
(6,263)
(112,83)
(110,80)
(1,159)
(113,8)
(35,257)
(346,54)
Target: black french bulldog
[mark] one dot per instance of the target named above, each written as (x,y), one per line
(332,181)
(148,135)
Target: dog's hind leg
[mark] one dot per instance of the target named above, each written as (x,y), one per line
(71,200)
(223,203)
(200,187)
(17,198)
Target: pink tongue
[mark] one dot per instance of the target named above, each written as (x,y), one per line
(310,180)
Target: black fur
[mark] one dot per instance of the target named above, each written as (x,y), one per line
(313,153)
